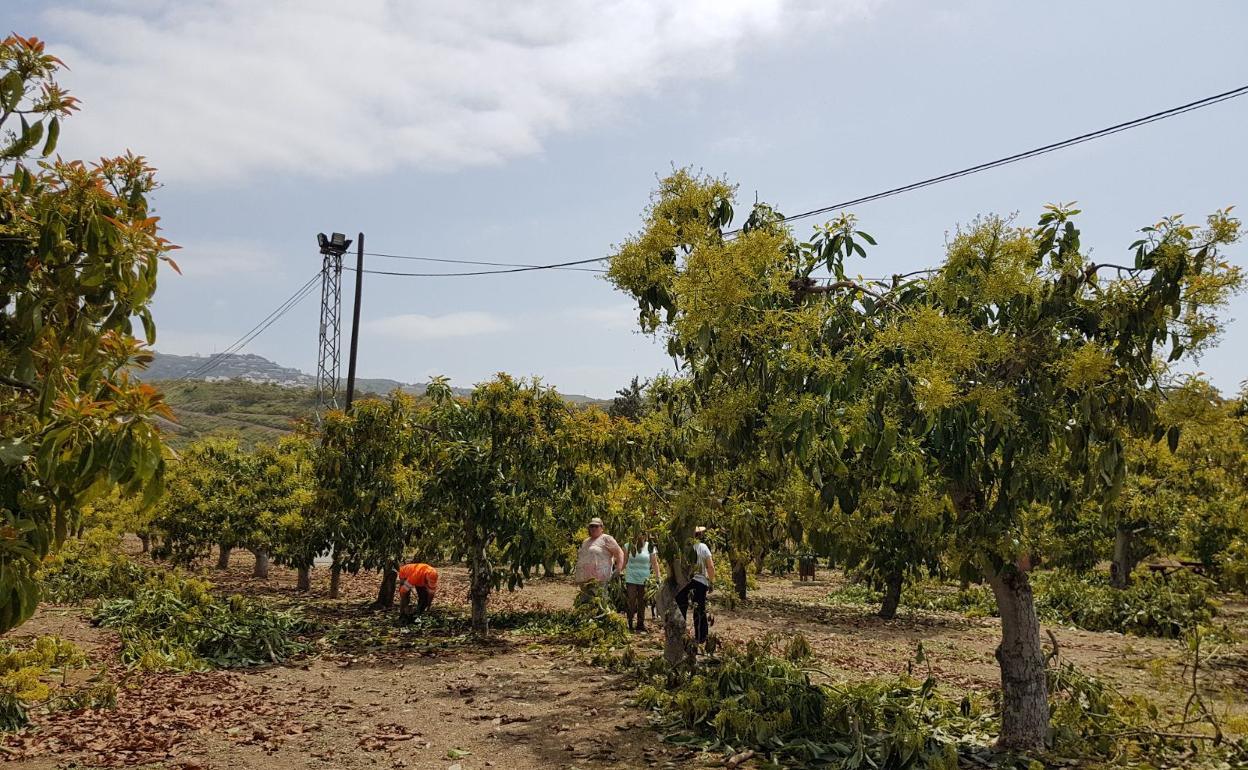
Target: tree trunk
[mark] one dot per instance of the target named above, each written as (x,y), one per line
(739,580)
(678,648)
(223,556)
(1024,689)
(335,580)
(304,581)
(479,590)
(892,594)
(261,569)
(1124,558)
(146,541)
(385,594)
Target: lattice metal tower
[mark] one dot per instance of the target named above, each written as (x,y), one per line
(329,352)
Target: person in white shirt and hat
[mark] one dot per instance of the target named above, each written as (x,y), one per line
(698,587)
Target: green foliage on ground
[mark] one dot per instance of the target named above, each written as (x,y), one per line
(29,674)
(750,698)
(591,625)
(172,622)
(165,619)
(1151,606)
(974,601)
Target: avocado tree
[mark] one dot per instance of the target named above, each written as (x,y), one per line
(278,497)
(368,489)
(510,469)
(1207,476)
(79,256)
(1008,377)
(205,504)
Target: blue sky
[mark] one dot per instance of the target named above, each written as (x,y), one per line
(534,132)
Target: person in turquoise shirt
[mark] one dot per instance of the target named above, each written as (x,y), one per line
(643,561)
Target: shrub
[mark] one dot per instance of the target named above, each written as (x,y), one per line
(28,678)
(780,561)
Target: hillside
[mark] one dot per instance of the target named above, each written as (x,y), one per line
(252,412)
(255,411)
(248,367)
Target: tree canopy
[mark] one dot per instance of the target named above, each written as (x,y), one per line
(79,257)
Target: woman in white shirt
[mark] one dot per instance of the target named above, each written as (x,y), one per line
(698,587)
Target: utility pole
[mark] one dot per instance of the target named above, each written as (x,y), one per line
(355,319)
(329,349)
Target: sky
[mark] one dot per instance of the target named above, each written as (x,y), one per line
(535,133)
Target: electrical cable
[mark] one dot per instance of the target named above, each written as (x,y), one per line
(473,262)
(518,269)
(1114,129)
(219,358)
(1036,152)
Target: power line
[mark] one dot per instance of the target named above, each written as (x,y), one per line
(1044,150)
(474,262)
(518,269)
(1156,116)
(255,331)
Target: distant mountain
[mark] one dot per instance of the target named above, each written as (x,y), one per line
(249,367)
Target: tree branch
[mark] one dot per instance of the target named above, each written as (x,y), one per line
(802,286)
(17,384)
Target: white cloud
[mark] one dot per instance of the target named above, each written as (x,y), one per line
(416,327)
(232,89)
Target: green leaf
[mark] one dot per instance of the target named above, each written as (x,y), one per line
(11,90)
(1172,438)
(54,133)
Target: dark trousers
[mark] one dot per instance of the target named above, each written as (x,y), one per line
(423,599)
(697,590)
(635,604)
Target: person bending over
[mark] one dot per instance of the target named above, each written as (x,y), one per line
(421,578)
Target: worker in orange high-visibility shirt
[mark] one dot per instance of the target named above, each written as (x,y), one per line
(424,580)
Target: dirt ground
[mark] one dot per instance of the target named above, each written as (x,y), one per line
(518,703)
